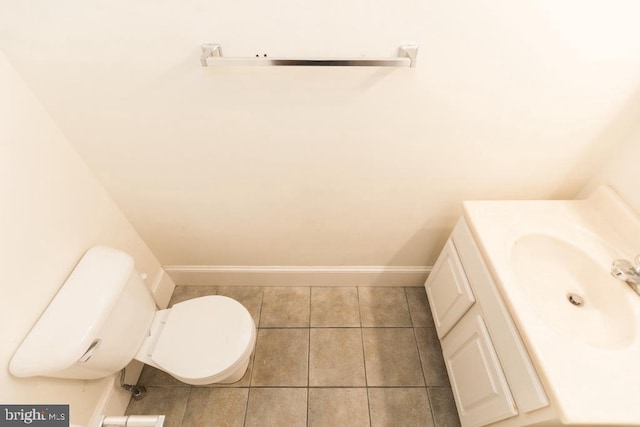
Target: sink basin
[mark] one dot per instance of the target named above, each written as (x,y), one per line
(544,253)
(572,292)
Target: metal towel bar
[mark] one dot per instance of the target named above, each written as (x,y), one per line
(212,56)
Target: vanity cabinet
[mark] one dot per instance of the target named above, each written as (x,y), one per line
(491,375)
(481,390)
(448,289)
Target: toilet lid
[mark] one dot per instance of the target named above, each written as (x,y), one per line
(204,336)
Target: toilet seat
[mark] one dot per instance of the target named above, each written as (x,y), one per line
(204,339)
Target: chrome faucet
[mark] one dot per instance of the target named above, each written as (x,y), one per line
(629,272)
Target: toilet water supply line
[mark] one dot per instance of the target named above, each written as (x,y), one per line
(137,391)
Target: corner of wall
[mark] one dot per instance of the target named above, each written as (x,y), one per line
(162,288)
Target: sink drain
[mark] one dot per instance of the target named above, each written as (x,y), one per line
(575,299)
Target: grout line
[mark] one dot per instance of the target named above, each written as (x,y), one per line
(260,307)
(369,406)
(406,298)
(346,327)
(246,407)
(308,401)
(309,356)
(319,386)
(433,416)
(186,405)
(253,362)
(310,296)
(229,386)
(426,387)
(423,368)
(364,357)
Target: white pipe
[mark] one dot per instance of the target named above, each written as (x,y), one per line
(134,421)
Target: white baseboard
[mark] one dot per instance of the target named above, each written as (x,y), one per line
(240,275)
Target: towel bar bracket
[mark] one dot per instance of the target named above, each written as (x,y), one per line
(409,51)
(210,50)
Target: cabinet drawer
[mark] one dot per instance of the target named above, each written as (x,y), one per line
(448,290)
(479,387)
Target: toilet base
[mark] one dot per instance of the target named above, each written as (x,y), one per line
(237,374)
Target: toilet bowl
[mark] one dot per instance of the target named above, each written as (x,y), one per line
(104,316)
(205,340)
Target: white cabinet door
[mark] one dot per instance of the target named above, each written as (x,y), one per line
(448,290)
(479,386)
(523,380)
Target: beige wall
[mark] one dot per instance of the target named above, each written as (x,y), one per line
(52,209)
(290,166)
(328,167)
(621,170)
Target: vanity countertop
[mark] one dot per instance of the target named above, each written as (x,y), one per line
(581,326)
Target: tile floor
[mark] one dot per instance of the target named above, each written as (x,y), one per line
(340,356)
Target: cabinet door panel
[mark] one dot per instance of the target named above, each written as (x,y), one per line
(479,386)
(525,384)
(448,290)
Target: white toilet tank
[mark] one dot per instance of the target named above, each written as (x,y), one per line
(94,325)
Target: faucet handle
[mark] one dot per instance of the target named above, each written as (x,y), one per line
(636,264)
(621,268)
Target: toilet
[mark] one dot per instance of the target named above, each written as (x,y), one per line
(104,317)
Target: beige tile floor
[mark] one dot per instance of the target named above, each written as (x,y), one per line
(341,356)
